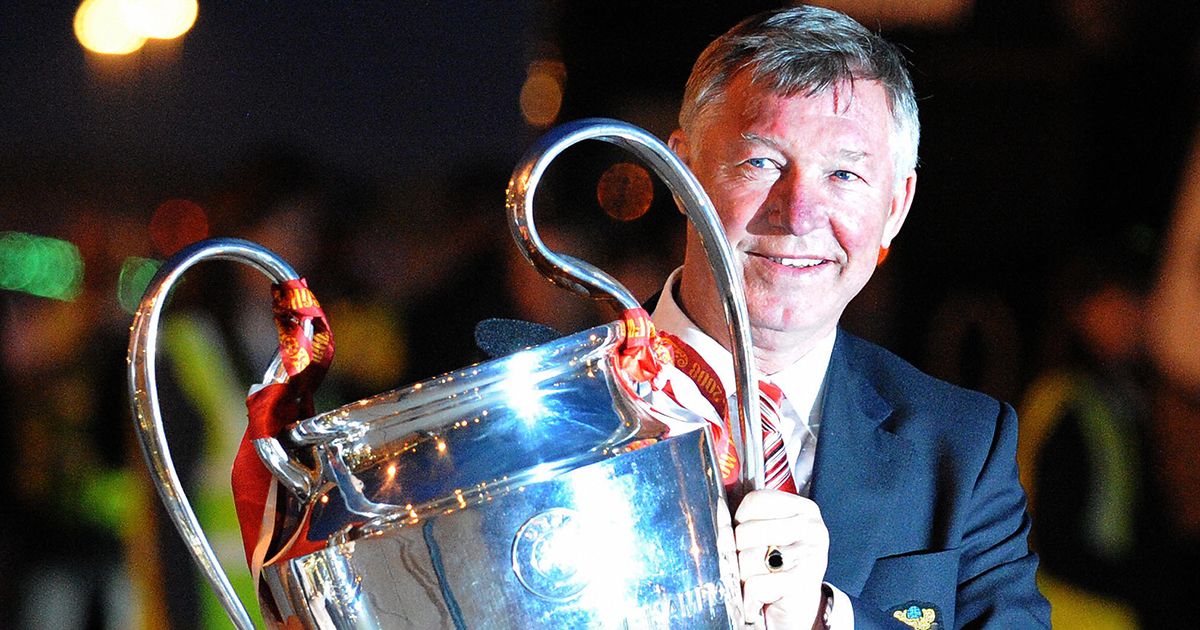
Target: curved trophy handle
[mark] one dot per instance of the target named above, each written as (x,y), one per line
(585,279)
(143,391)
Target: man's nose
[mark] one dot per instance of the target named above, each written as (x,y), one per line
(795,203)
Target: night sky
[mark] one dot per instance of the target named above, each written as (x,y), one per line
(375,89)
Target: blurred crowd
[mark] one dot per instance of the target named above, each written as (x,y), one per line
(1095,347)
(1107,451)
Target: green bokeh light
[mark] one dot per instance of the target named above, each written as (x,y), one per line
(136,274)
(41,266)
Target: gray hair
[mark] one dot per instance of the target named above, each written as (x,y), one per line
(805,50)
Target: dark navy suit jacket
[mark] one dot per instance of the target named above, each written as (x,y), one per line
(917,483)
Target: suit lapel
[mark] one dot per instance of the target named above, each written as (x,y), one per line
(859,473)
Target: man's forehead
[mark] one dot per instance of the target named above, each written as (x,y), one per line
(840,95)
(780,144)
(754,107)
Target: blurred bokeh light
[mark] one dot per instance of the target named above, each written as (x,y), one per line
(41,266)
(542,92)
(121,27)
(136,274)
(625,191)
(101,27)
(176,224)
(893,13)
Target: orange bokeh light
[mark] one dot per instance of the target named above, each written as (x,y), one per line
(542,93)
(100,26)
(121,27)
(625,191)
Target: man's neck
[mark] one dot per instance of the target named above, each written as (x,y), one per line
(774,350)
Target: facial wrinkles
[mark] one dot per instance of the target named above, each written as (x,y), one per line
(831,225)
(806,196)
(898,135)
(842,97)
(900,152)
(812,216)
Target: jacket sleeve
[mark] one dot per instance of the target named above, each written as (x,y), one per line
(997,584)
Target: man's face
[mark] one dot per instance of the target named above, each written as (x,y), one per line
(807,191)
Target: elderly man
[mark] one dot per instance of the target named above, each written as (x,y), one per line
(898,500)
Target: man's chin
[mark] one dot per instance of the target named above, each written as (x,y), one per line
(779,319)
(785,330)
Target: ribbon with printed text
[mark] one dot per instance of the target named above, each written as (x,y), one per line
(305,351)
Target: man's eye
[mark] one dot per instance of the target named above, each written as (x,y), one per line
(845,176)
(761,163)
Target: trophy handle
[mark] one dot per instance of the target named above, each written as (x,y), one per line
(584,279)
(143,390)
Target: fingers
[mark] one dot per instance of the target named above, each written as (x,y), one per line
(781,532)
(764,590)
(753,560)
(791,593)
(790,598)
(773,518)
(774,504)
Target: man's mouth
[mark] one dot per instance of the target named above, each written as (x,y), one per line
(794,263)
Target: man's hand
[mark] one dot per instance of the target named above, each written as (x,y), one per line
(789,596)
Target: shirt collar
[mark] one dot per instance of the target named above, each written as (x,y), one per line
(800,382)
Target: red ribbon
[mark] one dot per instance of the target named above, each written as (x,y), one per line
(705,377)
(274,406)
(643,352)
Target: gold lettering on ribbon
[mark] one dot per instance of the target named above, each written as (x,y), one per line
(288,346)
(320,345)
(301,298)
(728,461)
(705,381)
(681,360)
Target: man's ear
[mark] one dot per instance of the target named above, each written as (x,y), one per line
(679,144)
(902,198)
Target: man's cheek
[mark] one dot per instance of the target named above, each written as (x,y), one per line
(738,213)
(858,233)
(732,222)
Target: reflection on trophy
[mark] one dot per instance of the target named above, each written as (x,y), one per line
(552,487)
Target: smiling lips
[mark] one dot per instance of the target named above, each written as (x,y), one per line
(794,263)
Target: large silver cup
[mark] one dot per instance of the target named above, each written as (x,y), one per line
(535,490)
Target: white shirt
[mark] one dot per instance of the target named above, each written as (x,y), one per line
(803,386)
(802,383)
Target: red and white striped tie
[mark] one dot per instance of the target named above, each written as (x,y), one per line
(776,470)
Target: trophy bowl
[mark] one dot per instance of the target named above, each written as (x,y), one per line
(530,491)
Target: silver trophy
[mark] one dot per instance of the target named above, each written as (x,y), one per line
(534,490)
